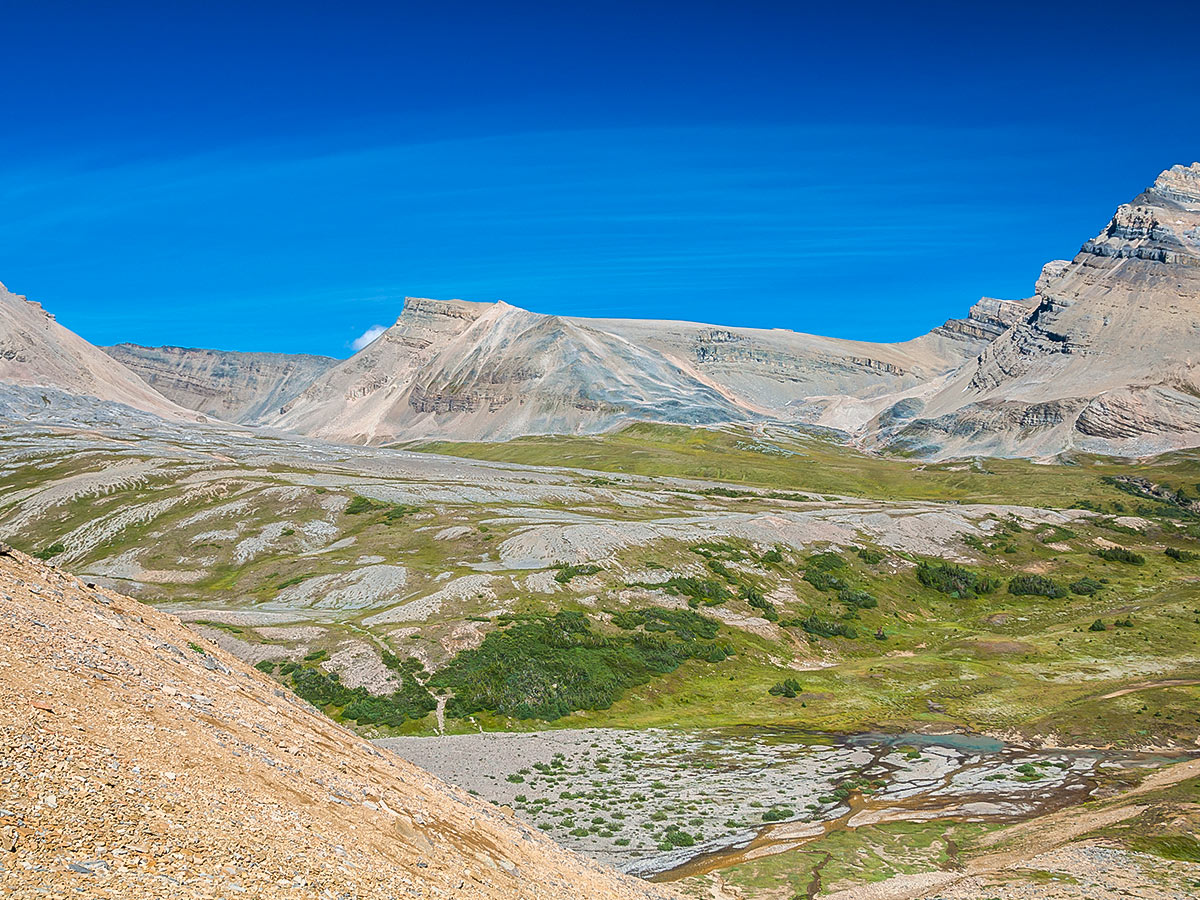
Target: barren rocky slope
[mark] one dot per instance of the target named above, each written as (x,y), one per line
(35,351)
(493,371)
(1109,358)
(139,760)
(477,371)
(236,387)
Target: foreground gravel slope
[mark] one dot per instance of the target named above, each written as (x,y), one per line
(140,760)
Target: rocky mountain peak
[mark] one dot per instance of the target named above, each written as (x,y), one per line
(1180,184)
(1162,224)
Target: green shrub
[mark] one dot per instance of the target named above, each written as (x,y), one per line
(684,623)
(1098,625)
(674,836)
(758,601)
(815,625)
(325,690)
(789,687)
(51,551)
(1120,554)
(360,504)
(823,581)
(1086,586)
(316,655)
(857,599)
(957,581)
(697,590)
(774,555)
(719,568)
(395,511)
(545,667)
(567,572)
(1055,534)
(777,814)
(265,665)
(1036,586)
(1181,555)
(869,556)
(826,562)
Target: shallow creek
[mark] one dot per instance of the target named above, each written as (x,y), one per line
(669,804)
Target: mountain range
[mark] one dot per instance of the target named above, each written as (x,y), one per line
(1102,357)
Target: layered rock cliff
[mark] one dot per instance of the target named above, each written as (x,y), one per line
(1108,360)
(236,387)
(491,371)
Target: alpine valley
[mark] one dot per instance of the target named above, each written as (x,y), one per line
(521,605)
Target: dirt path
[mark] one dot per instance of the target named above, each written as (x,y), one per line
(1150,685)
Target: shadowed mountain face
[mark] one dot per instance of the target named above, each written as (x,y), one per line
(1103,357)
(1108,359)
(235,387)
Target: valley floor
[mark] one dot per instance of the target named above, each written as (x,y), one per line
(635,649)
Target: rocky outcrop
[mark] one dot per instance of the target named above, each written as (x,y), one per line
(470,371)
(236,387)
(490,371)
(1104,357)
(988,319)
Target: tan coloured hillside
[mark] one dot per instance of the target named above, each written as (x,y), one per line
(492,371)
(36,351)
(139,761)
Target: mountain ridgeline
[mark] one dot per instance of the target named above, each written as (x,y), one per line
(1103,357)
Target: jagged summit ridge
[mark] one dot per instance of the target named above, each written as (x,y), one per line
(1107,360)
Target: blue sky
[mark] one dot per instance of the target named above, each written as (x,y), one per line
(279,176)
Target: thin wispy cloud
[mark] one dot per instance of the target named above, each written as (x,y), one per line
(771,226)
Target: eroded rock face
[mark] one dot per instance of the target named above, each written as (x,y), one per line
(1108,359)
(478,371)
(235,387)
(1105,357)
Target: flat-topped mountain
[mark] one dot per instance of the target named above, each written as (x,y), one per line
(480,371)
(141,761)
(224,384)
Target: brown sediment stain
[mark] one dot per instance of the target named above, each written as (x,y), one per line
(926,806)
(814,885)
